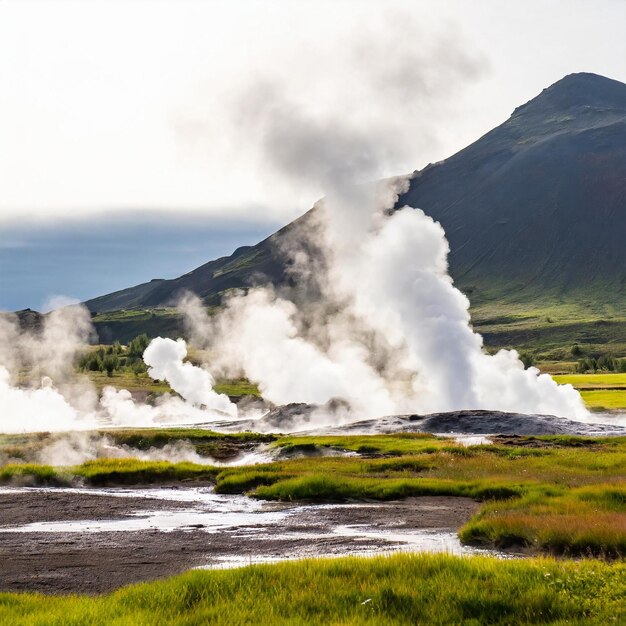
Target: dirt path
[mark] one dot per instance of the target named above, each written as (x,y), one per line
(96,562)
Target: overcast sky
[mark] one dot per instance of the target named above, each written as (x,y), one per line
(111,104)
(115,106)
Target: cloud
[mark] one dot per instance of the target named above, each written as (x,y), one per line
(58,302)
(363,110)
(140,124)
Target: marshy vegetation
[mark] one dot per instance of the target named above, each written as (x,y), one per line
(552,494)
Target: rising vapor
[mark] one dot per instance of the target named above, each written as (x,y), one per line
(40,392)
(391,334)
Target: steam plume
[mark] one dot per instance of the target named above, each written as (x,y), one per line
(374,319)
(164,359)
(392,334)
(39,392)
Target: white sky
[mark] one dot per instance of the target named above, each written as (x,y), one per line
(113,105)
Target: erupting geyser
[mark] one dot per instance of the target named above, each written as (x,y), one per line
(389,332)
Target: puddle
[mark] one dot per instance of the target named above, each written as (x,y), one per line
(424,540)
(162,521)
(431,541)
(268,531)
(204,495)
(209,511)
(467,440)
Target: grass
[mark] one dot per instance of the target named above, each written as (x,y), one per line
(549,329)
(593,381)
(341,488)
(398,589)
(107,472)
(598,400)
(33,473)
(584,521)
(133,472)
(394,445)
(207,443)
(599,391)
(26,448)
(144,438)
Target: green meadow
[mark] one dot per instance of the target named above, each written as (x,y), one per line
(398,589)
(606,390)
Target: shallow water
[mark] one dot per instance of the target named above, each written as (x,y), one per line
(468,440)
(248,519)
(430,541)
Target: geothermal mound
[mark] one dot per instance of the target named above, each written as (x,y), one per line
(309,418)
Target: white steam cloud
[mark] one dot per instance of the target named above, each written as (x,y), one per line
(372,317)
(391,333)
(387,333)
(76,448)
(164,359)
(39,392)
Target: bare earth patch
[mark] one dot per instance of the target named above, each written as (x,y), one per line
(97,562)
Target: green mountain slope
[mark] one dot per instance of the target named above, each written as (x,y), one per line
(535,212)
(537,207)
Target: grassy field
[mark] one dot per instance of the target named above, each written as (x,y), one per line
(562,495)
(600,400)
(604,380)
(548,330)
(599,391)
(398,589)
(143,383)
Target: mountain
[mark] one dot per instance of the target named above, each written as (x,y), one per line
(535,210)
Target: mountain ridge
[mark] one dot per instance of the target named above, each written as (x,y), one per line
(535,208)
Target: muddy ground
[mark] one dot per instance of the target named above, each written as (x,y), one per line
(79,562)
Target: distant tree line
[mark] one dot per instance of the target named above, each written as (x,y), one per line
(116,357)
(604,363)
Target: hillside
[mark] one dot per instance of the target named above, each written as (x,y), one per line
(536,209)
(535,212)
